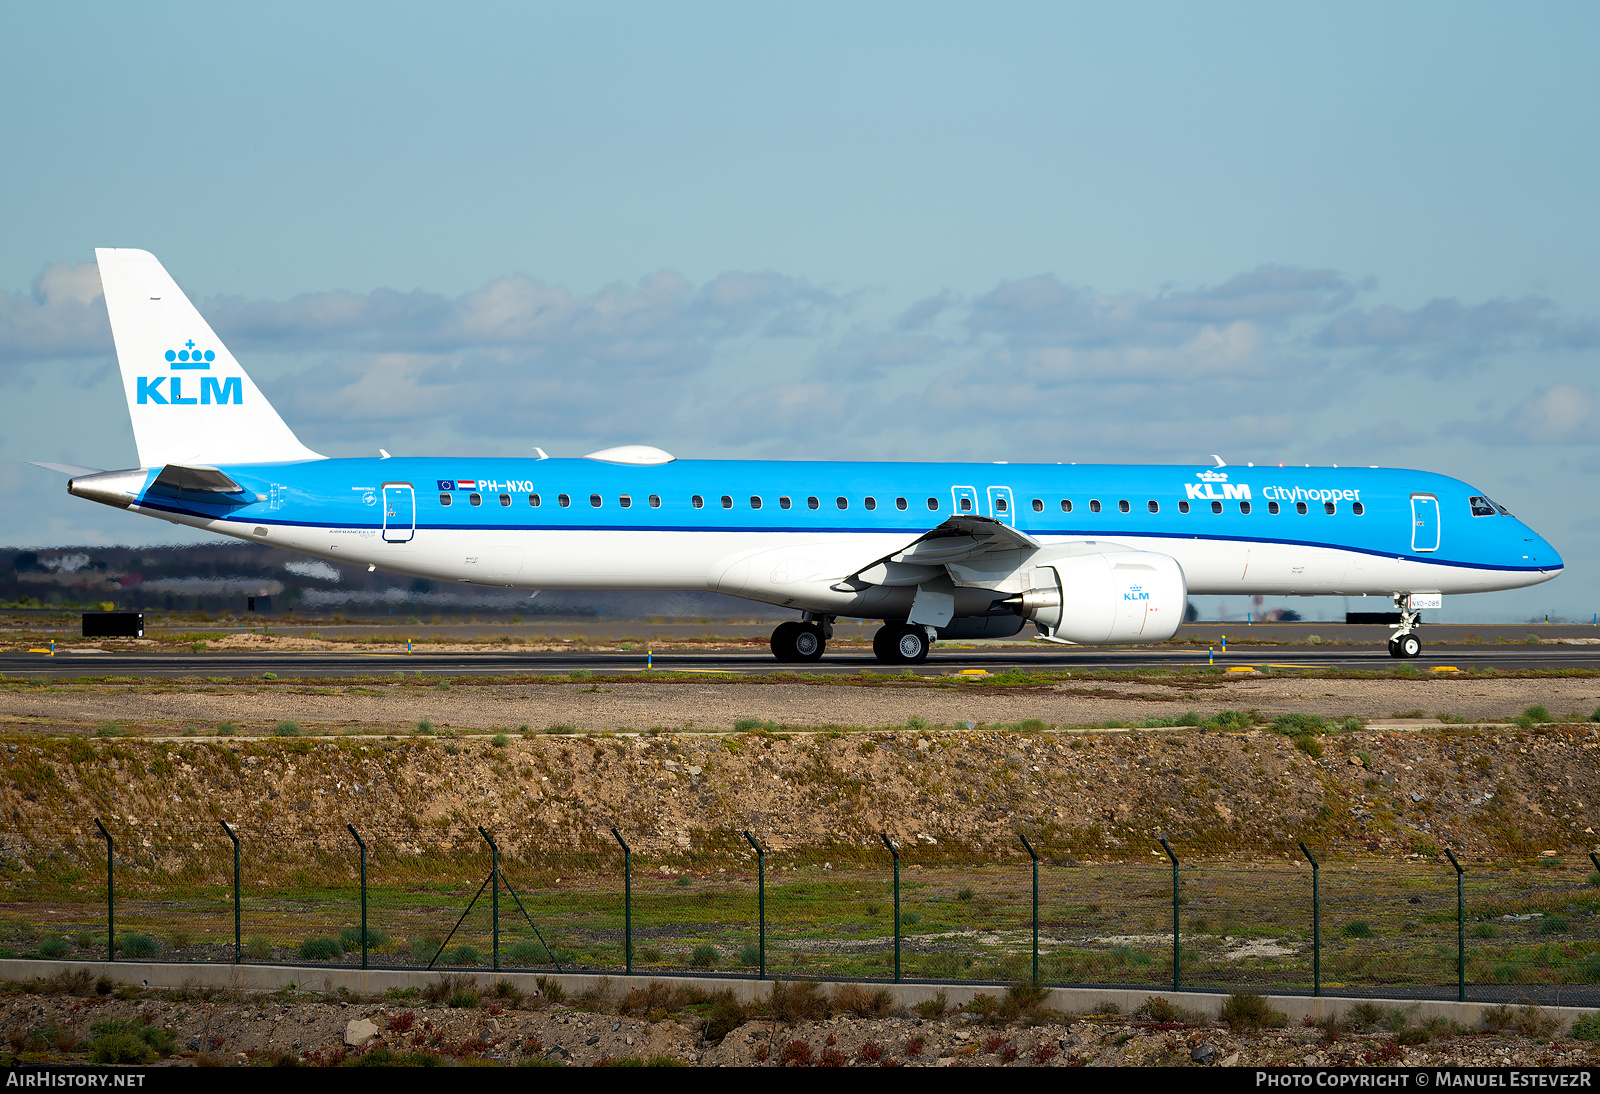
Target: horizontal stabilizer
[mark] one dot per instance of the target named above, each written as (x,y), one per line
(67,468)
(195,480)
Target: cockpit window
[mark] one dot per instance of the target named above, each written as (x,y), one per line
(1483,507)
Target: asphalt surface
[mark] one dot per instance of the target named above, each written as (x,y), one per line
(289,665)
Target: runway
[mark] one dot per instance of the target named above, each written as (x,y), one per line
(326,665)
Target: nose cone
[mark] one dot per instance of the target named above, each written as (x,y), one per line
(119,488)
(1536,551)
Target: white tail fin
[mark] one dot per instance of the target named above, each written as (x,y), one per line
(190,400)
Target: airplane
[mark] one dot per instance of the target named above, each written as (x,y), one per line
(1088,554)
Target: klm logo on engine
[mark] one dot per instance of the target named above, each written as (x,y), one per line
(1208,488)
(229,389)
(1136,592)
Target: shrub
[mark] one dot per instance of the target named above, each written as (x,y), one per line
(128,1041)
(465,955)
(258,949)
(286,729)
(1532,1020)
(1310,746)
(528,952)
(1298,724)
(1537,714)
(964,894)
(1245,1010)
(319,948)
(936,1007)
(1553,924)
(55,947)
(139,945)
(703,957)
(465,998)
(441,990)
(861,1001)
(1230,719)
(1587,1027)
(226,729)
(797,1000)
(1157,1009)
(509,994)
(425,726)
(726,1016)
(648,955)
(750,955)
(1484,930)
(500,740)
(1357,928)
(552,990)
(1497,1018)
(350,938)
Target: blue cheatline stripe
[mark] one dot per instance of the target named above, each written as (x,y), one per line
(915,531)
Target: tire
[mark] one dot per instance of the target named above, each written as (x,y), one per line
(783,642)
(1394,647)
(1410,646)
(808,642)
(883,643)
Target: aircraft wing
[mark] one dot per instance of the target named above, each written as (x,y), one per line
(67,468)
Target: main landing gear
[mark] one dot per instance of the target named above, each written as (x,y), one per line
(902,643)
(1404,642)
(802,641)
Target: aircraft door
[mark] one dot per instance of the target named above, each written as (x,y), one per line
(1000,506)
(399,512)
(965,500)
(1424,523)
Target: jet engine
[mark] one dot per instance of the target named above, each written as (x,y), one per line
(1098,599)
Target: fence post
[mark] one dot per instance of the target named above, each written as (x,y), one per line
(361,843)
(895,851)
(238,953)
(627,901)
(111,896)
(1316,923)
(1168,848)
(495,899)
(761,900)
(1031,854)
(1461,930)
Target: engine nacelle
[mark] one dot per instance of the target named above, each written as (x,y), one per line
(1098,599)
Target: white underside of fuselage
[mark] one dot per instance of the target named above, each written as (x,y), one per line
(799,570)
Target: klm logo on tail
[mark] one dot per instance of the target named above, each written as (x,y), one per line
(212,390)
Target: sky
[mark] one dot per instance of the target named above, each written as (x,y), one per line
(1360,234)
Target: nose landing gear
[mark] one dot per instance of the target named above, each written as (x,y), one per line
(1404,641)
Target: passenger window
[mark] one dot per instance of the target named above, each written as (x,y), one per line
(655,501)
(594,500)
(1216,507)
(1066,505)
(1300,507)
(1481,507)
(999,505)
(475,499)
(1153,506)
(727,502)
(871,503)
(1038,506)
(1272,507)
(625,501)
(899,503)
(784,503)
(1122,506)
(1244,507)
(755,502)
(1094,505)
(843,503)
(563,500)
(444,499)
(697,501)
(1183,507)
(1329,508)
(811,503)
(933,504)
(533,500)
(505,499)
(966,505)
(1358,509)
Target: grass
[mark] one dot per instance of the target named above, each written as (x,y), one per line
(286,729)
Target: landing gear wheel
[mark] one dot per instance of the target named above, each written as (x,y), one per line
(901,644)
(783,642)
(1409,645)
(808,642)
(1394,647)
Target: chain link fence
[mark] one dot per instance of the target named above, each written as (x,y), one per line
(446,898)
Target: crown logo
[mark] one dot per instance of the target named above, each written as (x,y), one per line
(189,357)
(1211,476)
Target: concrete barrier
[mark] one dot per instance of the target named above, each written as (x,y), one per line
(154,974)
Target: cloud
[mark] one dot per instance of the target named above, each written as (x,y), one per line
(1445,336)
(1562,414)
(63,316)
